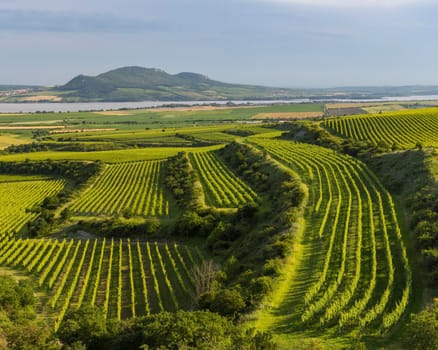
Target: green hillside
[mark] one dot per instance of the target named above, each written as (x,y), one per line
(139,84)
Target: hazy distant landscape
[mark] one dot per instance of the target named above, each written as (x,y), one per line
(129,84)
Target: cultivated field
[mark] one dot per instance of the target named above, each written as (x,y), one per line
(354,272)
(18,195)
(404,129)
(124,277)
(332,260)
(125,188)
(222,188)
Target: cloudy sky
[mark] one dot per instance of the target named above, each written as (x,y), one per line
(293,43)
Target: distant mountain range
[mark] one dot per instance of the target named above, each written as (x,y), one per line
(151,84)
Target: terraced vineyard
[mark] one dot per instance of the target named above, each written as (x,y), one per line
(403,128)
(20,193)
(133,186)
(354,271)
(221,187)
(124,277)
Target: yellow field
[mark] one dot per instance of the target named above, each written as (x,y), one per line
(118,113)
(41,98)
(287,115)
(7,140)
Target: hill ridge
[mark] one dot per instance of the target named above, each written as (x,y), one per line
(135,83)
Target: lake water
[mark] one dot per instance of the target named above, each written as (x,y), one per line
(98,106)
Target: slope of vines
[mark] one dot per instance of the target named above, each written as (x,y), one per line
(20,195)
(126,278)
(134,187)
(221,186)
(403,128)
(355,273)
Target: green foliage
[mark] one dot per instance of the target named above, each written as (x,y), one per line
(120,227)
(422,330)
(180,179)
(86,325)
(226,302)
(64,146)
(13,295)
(193,223)
(259,287)
(310,133)
(19,327)
(283,188)
(180,330)
(78,172)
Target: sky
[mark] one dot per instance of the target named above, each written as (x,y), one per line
(285,43)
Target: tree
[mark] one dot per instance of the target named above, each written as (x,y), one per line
(204,276)
(227,302)
(86,325)
(422,331)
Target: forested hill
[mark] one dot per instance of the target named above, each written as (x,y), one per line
(137,83)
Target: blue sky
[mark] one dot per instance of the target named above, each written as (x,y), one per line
(294,43)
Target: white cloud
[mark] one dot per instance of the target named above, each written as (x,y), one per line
(351,3)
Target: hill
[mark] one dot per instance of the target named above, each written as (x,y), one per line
(137,84)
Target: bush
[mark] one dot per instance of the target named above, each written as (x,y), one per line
(422,331)
(260,287)
(226,302)
(85,325)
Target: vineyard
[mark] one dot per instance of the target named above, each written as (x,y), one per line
(355,271)
(124,277)
(221,187)
(19,194)
(298,240)
(134,187)
(403,128)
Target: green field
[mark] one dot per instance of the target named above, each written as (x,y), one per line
(116,156)
(140,119)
